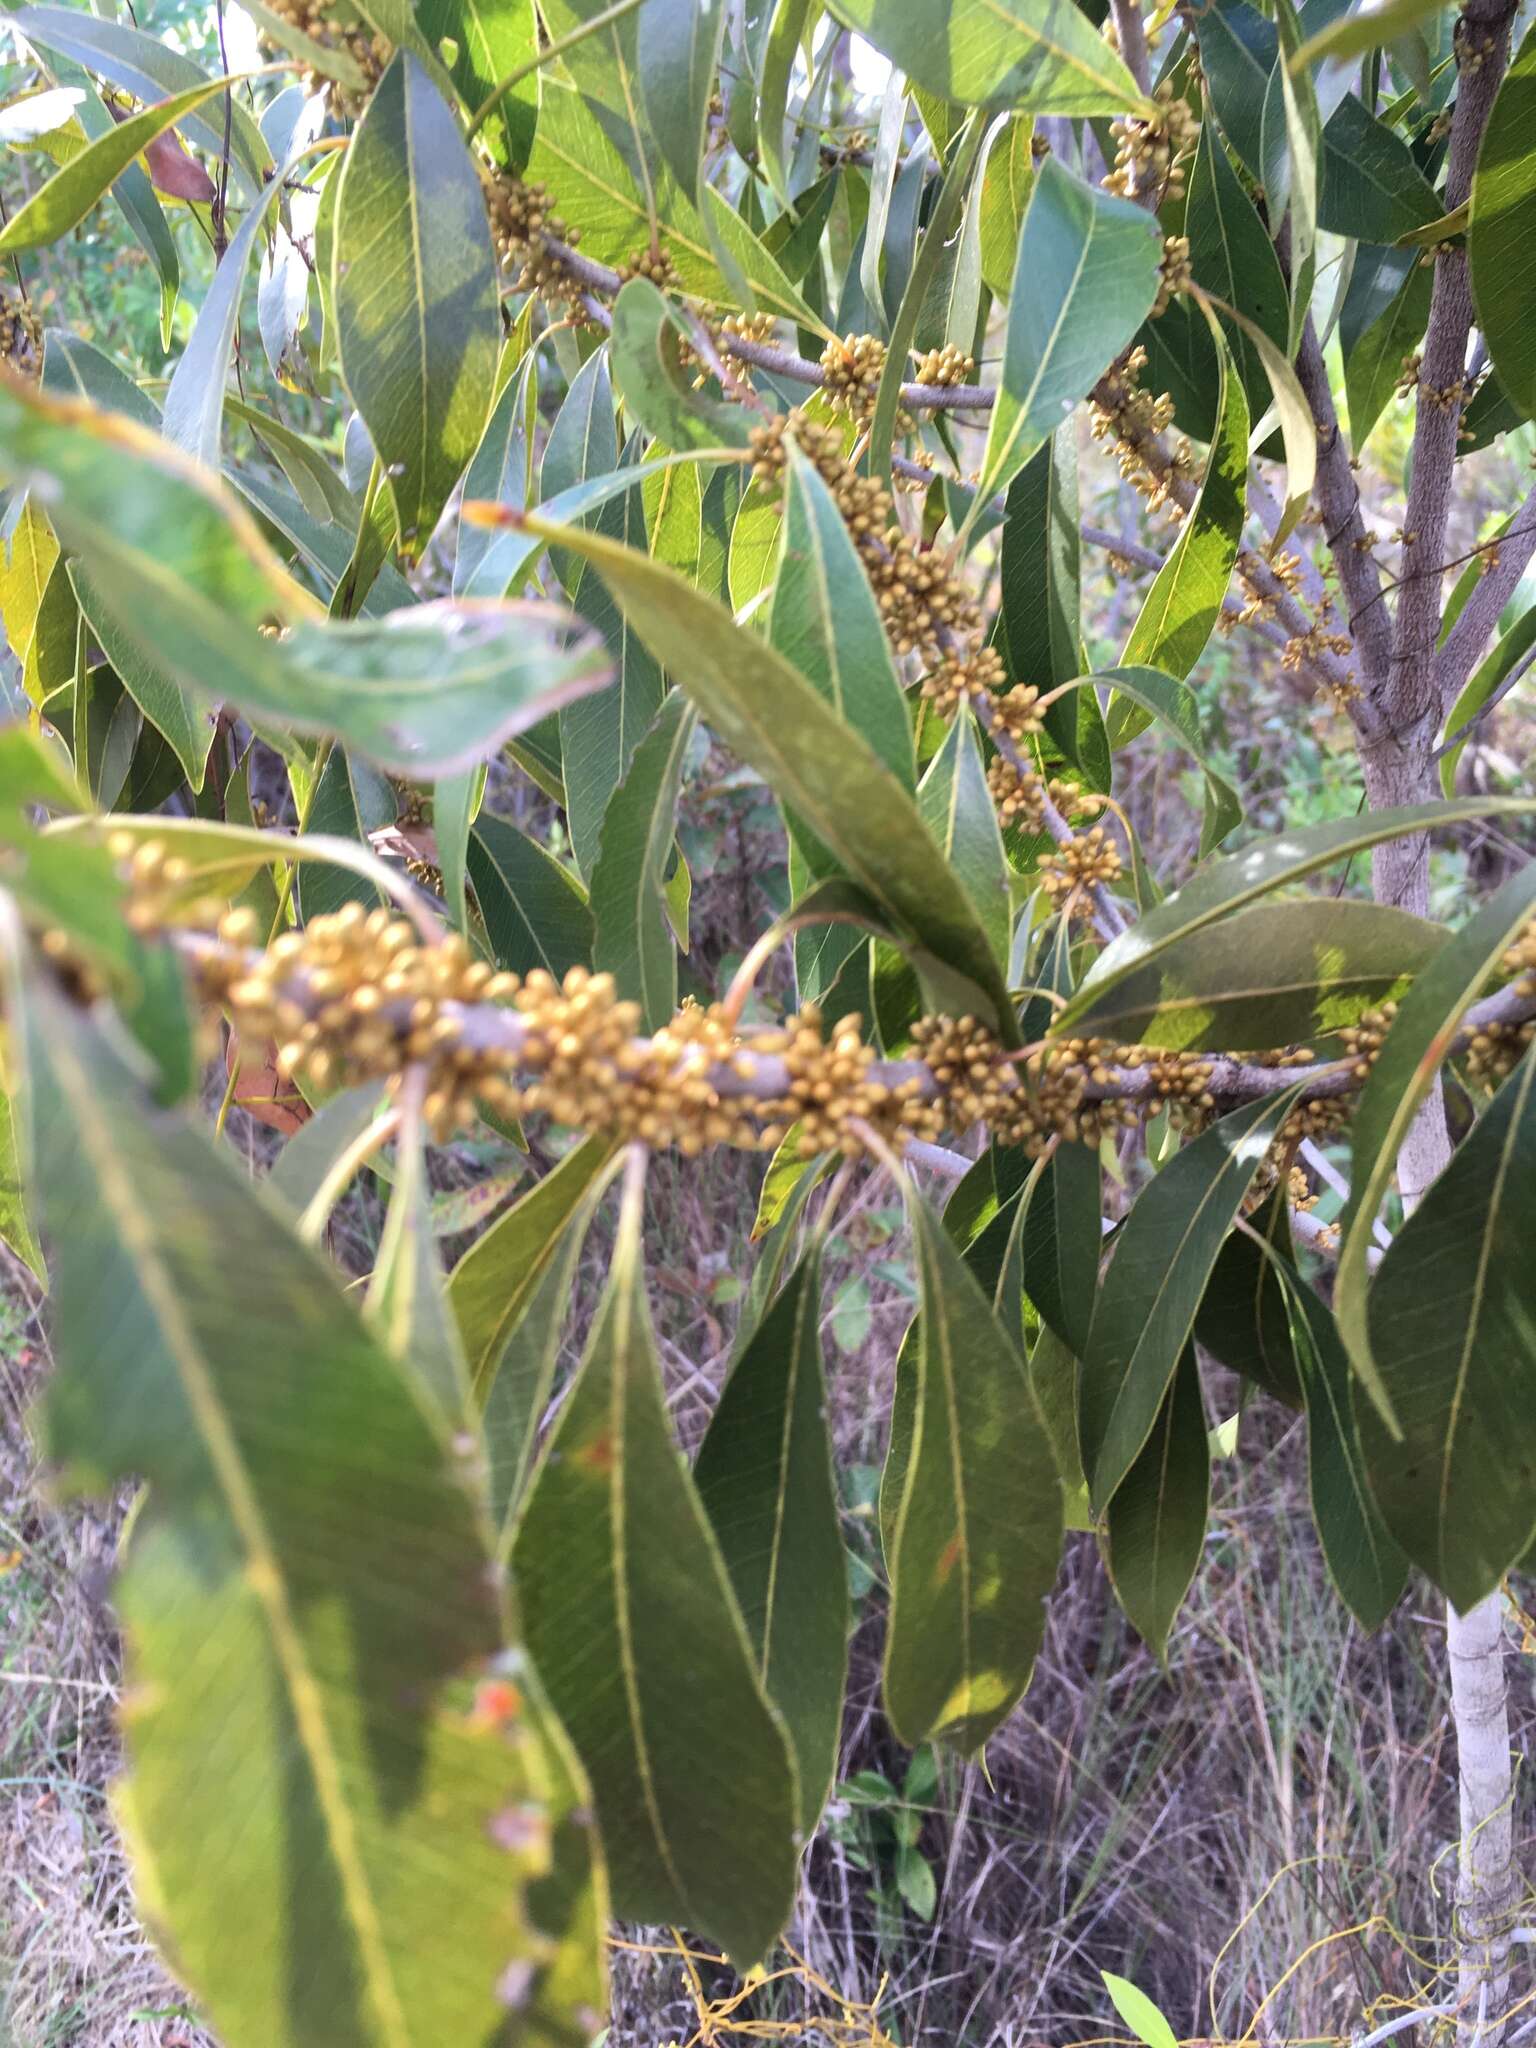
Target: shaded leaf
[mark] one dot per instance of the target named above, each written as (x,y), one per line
(1233,257)
(1372,189)
(535,911)
(958,810)
(167,707)
(632,1623)
(632,934)
(977,1534)
(644,347)
(1145,1309)
(765,1476)
(1154,1525)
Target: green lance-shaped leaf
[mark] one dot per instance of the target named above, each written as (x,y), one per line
(520,1392)
(407,1301)
(598,737)
(184,575)
(491,1286)
(958,810)
(485,561)
(1276,974)
(308,1611)
(301,1170)
(1146,1307)
(1061,1240)
(1352,33)
(1238,49)
(1179,612)
(1372,187)
(647,368)
(765,1475)
(633,1626)
(678,51)
(415,287)
(1008,177)
(68,196)
(194,401)
(1452,1324)
(1039,55)
(1374,354)
(1245,1319)
(1364,1562)
(455,800)
(168,708)
(813,760)
(1086,276)
(633,936)
(826,623)
(1419,1041)
(1292,147)
(1508,652)
(780,49)
(1154,1527)
(1502,231)
(1040,569)
(534,909)
(151,70)
(1226,885)
(1233,257)
(1144,695)
(977,1533)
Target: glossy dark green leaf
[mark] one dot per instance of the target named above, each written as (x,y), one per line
(1062,1241)
(1143,695)
(492,1285)
(1041,627)
(1292,146)
(415,286)
(1420,1039)
(1373,361)
(1238,49)
(1040,55)
(782,46)
(535,911)
(72,368)
(1508,652)
(632,934)
(765,1475)
(1154,1527)
(1086,276)
(335,1871)
(977,1534)
(1276,974)
(826,623)
(1233,257)
(1245,1318)
(68,196)
(1502,233)
(1179,612)
(958,810)
(822,769)
(633,1626)
(1372,187)
(1227,885)
(1145,1309)
(1451,1313)
(1363,1560)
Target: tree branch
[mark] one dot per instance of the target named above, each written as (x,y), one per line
(1480,614)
